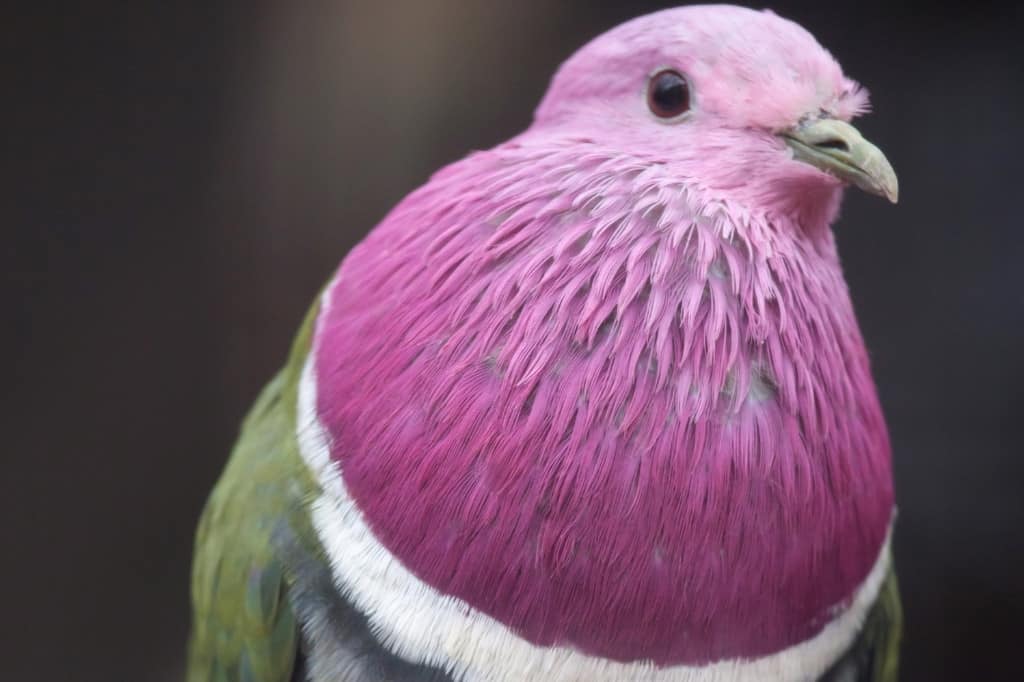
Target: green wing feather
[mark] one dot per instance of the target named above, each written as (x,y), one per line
(244,628)
(875,654)
(883,630)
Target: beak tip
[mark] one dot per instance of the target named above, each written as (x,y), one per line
(892,190)
(881,179)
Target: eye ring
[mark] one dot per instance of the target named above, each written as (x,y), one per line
(668,94)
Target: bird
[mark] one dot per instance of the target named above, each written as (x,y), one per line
(591,405)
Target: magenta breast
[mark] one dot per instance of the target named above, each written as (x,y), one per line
(605,424)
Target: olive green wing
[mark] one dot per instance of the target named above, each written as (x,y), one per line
(882,632)
(874,656)
(244,627)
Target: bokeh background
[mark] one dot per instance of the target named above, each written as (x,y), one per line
(179,179)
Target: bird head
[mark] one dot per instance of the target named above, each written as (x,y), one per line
(743,104)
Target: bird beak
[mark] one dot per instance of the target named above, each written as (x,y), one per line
(838,149)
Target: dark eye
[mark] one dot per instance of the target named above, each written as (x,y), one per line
(668,94)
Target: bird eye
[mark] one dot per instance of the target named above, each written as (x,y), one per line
(668,94)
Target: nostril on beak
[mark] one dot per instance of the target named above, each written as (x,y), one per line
(834,143)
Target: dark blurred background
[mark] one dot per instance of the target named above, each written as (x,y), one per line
(179,179)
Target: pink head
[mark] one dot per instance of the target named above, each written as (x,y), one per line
(604,382)
(753,79)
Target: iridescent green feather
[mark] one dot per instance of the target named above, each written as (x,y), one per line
(244,628)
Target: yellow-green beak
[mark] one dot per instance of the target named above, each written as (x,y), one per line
(839,149)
